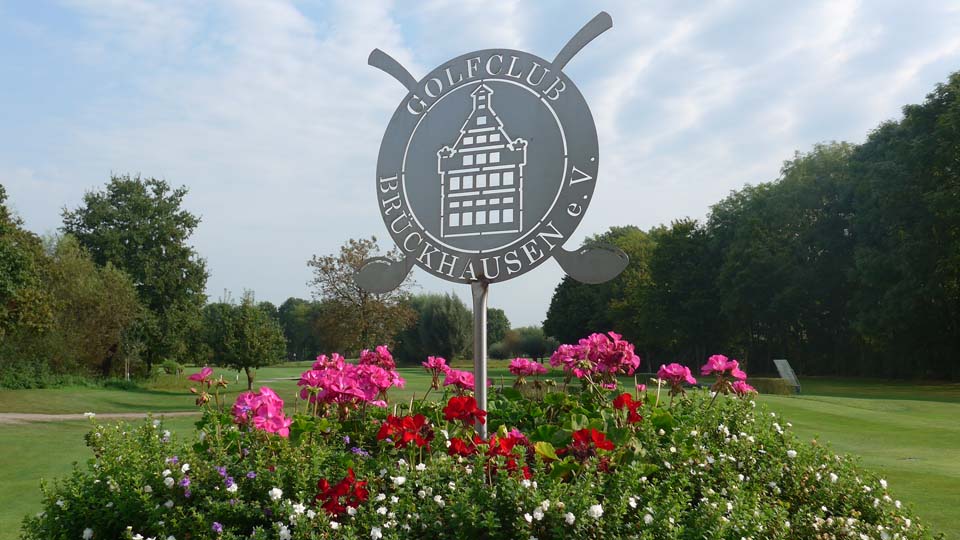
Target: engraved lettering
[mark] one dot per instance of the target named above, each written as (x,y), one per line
(416,99)
(406,240)
(450,78)
(512,259)
(486,269)
(499,59)
(545,234)
(388,184)
(427,253)
(510,73)
(533,71)
(473,66)
(559,85)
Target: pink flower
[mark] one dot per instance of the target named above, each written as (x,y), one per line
(462,380)
(607,355)
(263,410)
(379,357)
(335,361)
(741,388)
(203,376)
(720,365)
(436,363)
(641,388)
(523,367)
(676,375)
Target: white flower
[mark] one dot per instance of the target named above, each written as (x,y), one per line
(545,504)
(351,511)
(398,480)
(156,423)
(147,489)
(168,504)
(185,468)
(883,483)
(275,493)
(382,510)
(402,462)
(439,500)
(595,511)
(169,481)
(833,478)
(299,508)
(90,414)
(87,533)
(311,514)
(538,514)
(232,488)
(525,483)
(791,454)
(165,473)
(528,517)
(394,499)
(906,521)
(285,533)
(421,467)
(897,503)
(648,519)
(334,525)
(375,533)
(137,536)
(632,502)
(171,537)
(422,494)
(569,518)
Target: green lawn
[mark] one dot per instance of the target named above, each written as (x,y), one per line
(908,432)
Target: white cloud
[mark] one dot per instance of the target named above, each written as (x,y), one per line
(268,111)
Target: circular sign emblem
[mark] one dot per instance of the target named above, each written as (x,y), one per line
(487,166)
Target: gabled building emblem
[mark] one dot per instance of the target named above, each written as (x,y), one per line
(481,174)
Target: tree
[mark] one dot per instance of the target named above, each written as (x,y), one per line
(300,320)
(443,327)
(243,337)
(95,309)
(530,342)
(24,303)
(140,227)
(360,318)
(497,325)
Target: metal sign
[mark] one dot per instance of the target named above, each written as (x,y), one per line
(486,168)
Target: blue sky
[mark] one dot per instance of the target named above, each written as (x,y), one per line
(268,112)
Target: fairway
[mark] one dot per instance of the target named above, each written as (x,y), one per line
(909,434)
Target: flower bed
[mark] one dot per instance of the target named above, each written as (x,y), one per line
(584,459)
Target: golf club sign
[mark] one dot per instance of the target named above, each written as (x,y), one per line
(485,170)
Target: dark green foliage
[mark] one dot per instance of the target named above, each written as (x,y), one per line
(443,327)
(243,337)
(301,322)
(847,264)
(528,342)
(497,325)
(140,227)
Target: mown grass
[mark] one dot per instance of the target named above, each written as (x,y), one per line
(908,432)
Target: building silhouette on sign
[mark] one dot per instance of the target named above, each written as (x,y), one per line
(481,175)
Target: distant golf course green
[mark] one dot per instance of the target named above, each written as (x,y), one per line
(907,432)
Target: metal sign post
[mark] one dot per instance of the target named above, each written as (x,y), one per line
(485,171)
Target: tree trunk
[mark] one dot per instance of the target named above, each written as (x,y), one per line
(249,378)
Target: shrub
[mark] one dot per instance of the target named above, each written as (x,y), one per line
(585,462)
(172,367)
(773,385)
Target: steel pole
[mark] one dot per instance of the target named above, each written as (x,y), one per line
(480,290)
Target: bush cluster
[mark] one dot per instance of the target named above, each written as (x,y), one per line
(578,460)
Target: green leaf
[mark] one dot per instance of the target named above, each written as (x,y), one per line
(545,450)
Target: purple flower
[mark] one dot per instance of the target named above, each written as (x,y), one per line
(360,451)
(217,527)
(346,439)
(187,493)
(229,481)
(251,475)
(173,460)
(222,471)
(185,482)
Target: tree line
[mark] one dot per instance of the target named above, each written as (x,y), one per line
(847,264)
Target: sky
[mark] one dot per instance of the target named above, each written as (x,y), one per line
(268,112)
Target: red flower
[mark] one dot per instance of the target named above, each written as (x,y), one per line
(591,435)
(464,408)
(625,401)
(460,447)
(407,429)
(349,490)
